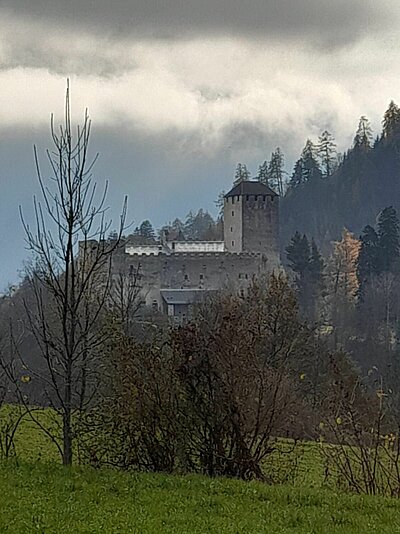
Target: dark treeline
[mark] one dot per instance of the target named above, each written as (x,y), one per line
(353,294)
(197,226)
(324,196)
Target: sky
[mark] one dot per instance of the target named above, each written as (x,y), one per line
(179,91)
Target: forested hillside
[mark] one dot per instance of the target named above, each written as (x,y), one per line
(320,203)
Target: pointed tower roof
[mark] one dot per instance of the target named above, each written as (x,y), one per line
(249,187)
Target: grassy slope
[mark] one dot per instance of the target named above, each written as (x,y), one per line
(41,496)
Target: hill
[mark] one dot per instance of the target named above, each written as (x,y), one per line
(366,181)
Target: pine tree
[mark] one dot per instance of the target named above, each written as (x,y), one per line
(391,120)
(363,137)
(310,167)
(316,265)
(389,239)
(368,259)
(146,230)
(177,225)
(199,226)
(275,172)
(188,227)
(297,175)
(327,153)
(241,173)
(263,175)
(298,254)
(220,202)
(308,264)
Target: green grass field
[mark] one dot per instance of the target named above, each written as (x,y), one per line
(38,495)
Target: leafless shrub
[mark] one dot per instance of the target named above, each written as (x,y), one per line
(359,434)
(212,396)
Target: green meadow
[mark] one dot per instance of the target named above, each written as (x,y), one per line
(38,495)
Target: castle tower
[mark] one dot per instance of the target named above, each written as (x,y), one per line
(251,220)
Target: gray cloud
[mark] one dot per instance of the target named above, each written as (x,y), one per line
(322,22)
(39,54)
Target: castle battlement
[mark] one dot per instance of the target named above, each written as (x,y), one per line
(225,254)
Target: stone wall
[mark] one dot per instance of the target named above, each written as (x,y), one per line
(208,271)
(261,224)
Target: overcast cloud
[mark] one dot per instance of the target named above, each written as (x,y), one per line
(180,91)
(313,20)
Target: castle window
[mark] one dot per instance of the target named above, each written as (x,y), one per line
(246,276)
(233,213)
(186,277)
(264,197)
(247,197)
(231,229)
(233,243)
(201,276)
(256,197)
(242,293)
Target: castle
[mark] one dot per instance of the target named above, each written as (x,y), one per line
(176,274)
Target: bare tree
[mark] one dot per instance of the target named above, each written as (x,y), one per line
(126,297)
(70,275)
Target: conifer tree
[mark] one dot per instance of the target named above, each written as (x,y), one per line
(327,153)
(220,202)
(275,172)
(177,226)
(310,167)
(391,120)
(389,239)
(368,259)
(199,226)
(308,264)
(316,264)
(297,175)
(263,175)
(298,254)
(363,137)
(241,173)
(146,230)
